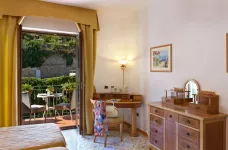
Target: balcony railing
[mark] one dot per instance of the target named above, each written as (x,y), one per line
(39,101)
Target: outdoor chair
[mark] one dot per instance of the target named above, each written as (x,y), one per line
(67,106)
(101,121)
(27,107)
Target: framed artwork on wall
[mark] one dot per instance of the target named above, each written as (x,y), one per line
(161,58)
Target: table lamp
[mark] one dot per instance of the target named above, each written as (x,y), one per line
(123,67)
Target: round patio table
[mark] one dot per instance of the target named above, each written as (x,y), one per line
(46,98)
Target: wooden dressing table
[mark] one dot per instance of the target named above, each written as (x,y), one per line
(173,128)
(126,101)
(189,122)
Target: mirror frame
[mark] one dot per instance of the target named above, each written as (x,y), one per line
(197,83)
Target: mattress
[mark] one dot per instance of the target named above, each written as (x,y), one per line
(31,137)
(55,148)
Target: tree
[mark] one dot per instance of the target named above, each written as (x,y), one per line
(37,47)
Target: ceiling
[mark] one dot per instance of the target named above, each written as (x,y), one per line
(104,4)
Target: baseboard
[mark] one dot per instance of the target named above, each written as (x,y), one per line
(139,130)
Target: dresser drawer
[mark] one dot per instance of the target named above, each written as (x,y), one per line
(157,111)
(187,145)
(189,121)
(171,116)
(157,132)
(170,127)
(156,122)
(189,134)
(125,96)
(156,141)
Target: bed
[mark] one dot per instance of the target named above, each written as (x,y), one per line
(31,137)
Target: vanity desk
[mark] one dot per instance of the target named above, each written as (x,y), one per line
(126,101)
(173,127)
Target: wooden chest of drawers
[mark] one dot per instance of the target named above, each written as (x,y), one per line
(186,145)
(189,121)
(172,129)
(189,134)
(157,111)
(197,108)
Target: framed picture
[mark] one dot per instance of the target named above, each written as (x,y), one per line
(161,58)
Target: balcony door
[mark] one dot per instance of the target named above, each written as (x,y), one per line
(37,89)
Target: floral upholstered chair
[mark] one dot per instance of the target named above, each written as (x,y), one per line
(101,121)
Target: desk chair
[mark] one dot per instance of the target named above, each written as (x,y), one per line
(101,121)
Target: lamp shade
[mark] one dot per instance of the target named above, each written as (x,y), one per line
(123,62)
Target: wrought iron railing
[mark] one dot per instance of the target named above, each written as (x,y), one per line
(39,101)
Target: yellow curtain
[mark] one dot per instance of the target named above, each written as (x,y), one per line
(46,9)
(89,37)
(8,47)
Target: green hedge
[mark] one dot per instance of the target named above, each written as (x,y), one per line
(48,81)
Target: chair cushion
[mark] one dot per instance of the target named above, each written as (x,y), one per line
(38,108)
(62,106)
(114,121)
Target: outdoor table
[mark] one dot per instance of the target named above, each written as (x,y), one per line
(46,98)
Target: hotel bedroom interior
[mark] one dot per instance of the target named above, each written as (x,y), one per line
(113,74)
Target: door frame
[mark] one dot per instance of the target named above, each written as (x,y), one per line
(19,71)
(81,85)
(19,74)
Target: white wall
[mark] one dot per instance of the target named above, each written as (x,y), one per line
(117,40)
(197,30)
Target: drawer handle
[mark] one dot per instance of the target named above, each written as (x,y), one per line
(188,121)
(156,111)
(156,131)
(188,146)
(170,116)
(188,134)
(156,141)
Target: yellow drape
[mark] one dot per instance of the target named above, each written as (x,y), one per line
(89,37)
(8,46)
(46,9)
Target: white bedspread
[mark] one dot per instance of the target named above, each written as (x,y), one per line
(31,137)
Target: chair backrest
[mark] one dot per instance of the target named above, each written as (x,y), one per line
(99,106)
(26,99)
(73,100)
(100,120)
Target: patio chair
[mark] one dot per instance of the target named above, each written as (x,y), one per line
(67,106)
(27,107)
(101,122)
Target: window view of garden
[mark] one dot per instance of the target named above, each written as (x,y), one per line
(49,64)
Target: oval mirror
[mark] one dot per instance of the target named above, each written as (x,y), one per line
(192,87)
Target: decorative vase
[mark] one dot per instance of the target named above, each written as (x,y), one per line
(125,89)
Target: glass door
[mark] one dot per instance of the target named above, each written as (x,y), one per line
(50,65)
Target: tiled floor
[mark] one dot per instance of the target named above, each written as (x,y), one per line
(62,122)
(78,142)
